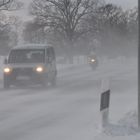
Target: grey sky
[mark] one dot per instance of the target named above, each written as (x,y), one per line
(124,3)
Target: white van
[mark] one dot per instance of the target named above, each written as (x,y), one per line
(30,64)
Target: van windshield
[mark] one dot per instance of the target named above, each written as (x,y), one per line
(27,56)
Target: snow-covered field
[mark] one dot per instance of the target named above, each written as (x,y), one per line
(71,111)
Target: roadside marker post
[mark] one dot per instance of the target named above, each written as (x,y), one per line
(139,64)
(104,103)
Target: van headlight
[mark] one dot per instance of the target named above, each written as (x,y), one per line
(7,70)
(39,69)
(92,60)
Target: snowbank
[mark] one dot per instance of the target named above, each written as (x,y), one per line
(125,129)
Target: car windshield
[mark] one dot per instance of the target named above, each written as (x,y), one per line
(27,56)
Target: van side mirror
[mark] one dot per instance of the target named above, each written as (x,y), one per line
(5,61)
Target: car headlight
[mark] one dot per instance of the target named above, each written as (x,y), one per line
(92,60)
(7,70)
(39,69)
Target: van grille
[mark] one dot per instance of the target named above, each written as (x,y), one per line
(23,71)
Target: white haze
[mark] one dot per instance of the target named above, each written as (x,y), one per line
(72,110)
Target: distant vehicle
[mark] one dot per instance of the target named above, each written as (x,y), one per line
(30,64)
(93,61)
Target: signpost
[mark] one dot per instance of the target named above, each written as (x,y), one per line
(104,103)
(139,64)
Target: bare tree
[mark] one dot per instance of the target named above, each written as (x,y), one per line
(33,32)
(4,3)
(63,16)
(8,31)
(116,27)
(112,20)
(10,5)
(133,24)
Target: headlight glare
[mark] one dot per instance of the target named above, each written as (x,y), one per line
(7,70)
(92,60)
(39,69)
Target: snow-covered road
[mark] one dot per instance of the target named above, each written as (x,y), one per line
(71,110)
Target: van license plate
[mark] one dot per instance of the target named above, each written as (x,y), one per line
(23,78)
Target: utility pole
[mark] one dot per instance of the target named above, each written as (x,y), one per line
(139,63)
